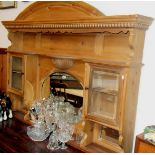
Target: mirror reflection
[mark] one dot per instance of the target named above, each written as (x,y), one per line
(63,84)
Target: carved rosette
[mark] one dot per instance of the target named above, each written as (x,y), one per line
(63,63)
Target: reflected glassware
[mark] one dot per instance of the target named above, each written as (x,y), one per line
(79,137)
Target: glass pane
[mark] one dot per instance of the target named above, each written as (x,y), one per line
(16,81)
(105,81)
(16,63)
(108,134)
(103,94)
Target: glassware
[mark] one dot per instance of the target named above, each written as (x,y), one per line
(53,141)
(37,132)
(55,118)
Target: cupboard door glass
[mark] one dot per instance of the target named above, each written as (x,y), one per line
(16,72)
(17,81)
(103,94)
(16,63)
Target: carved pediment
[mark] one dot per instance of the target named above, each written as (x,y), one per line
(58,11)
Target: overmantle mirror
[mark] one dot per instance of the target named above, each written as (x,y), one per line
(66,85)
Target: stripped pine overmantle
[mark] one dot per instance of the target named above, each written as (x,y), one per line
(79,39)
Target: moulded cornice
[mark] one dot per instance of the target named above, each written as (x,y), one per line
(92,25)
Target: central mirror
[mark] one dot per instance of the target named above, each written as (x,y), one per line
(64,84)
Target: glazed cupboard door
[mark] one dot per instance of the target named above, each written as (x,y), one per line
(106,86)
(16,72)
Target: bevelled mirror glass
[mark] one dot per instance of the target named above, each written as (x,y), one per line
(64,84)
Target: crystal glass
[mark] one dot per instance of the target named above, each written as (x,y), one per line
(53,141)
(37,132)
(55,118)
(65,133)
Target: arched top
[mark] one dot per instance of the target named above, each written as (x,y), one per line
(58,10)
(72,17)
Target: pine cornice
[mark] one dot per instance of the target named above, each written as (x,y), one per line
(98,24)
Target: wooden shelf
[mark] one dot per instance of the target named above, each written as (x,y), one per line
(91,148)
(95,148)
(77,146)
(104,115)
(105,91)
